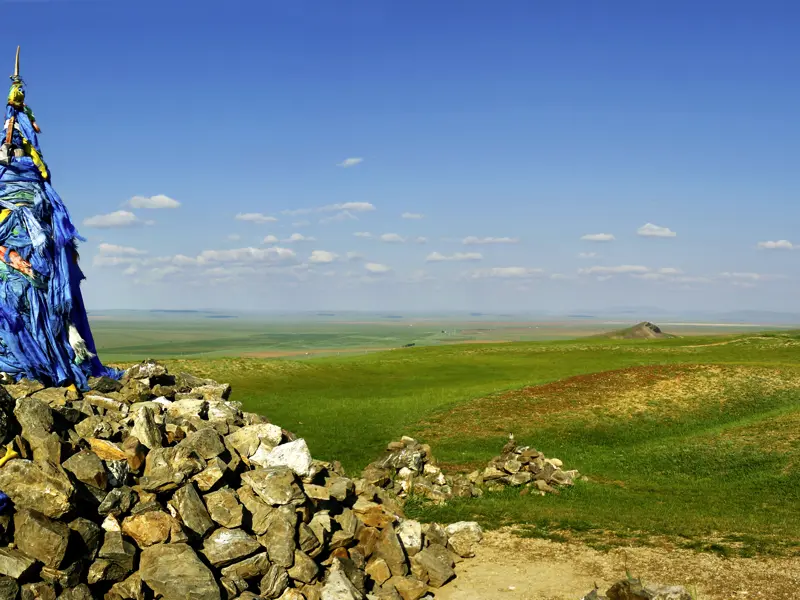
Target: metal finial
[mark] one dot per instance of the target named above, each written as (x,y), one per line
(16,65)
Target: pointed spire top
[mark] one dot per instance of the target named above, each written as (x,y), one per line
(16,66)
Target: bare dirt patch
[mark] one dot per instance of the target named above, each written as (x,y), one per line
(507,566)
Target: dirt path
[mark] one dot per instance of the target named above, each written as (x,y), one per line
(513,568)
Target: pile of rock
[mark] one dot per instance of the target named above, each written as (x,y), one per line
(633,589)
(408,467)
(158,486)
(524,466)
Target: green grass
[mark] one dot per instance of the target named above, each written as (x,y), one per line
(688,473)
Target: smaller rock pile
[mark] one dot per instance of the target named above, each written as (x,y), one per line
(632,589)
(524,466)
(409,468)
(159,486)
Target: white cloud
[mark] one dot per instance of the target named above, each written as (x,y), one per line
(273,254)
(113,261)
(298,237)
(351,206)
(505,272)
(778,245)
(344,215)
(120,218)
(377,268)
(587,255)
(255,218)
(350,162)
(420,240)
(392,238)
(235,237)
(132,270)
(472,240)
(749,276)
(598,237)
(363,234)
(650,230)
(114,250)
(599,270)
(670,271)
(322,257)
(354,256)
(458,256)
(270,239)
(157,201)
(561,276)
(410,215)
(301,223)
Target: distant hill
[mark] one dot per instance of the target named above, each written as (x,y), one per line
(642,331)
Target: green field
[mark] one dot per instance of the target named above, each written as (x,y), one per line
(694,439)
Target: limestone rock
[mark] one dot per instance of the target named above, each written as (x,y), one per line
(41,538)
(274,582)
(247,439)
(87,468)
(226,546)
(294,455)
(224,508)
(463,536)
(14,563)
(391,550)
(175,572)
(9,588)
(274,485)
(149,528)
(42,488)
(191,509)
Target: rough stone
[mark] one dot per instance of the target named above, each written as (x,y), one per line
(191,509)
(274,485)
(14,563)
(149,528)
(205,442)
(294,455)
(437,568)
(304,568)
(463,536)
(274,582)
(247,439)
(87,468)
(9,588)
(175,572)
(40,537)
(146,430)
(224,508)
(279,538)
(391,550)
(43,488)
(225,546)
(253,567)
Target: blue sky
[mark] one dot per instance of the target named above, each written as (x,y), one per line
(513,129)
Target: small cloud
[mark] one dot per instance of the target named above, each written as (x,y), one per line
(457,257)
(587,255)
(120,218)
(114,250)
(392,238)
(777,245)
(298,237)
(598,270)
(132,270)
(234,237)
(472,240)
(650,230)
(354,256)
(505,273)
(561,276)
(420,240)
(301,223)
(102,260)
(344,215)
(322,257)
(157,201)
(270,239)
(255,218)
(351,206)
(669,271)
(363,234)
(598,237)
(377,268)
(409,215)
(350,162)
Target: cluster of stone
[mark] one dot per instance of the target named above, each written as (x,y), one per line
(524,466)
(634,589)
(408,468)
(160,486)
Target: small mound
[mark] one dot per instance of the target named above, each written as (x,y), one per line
(642,331)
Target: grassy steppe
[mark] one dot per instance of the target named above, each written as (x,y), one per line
(697,439)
